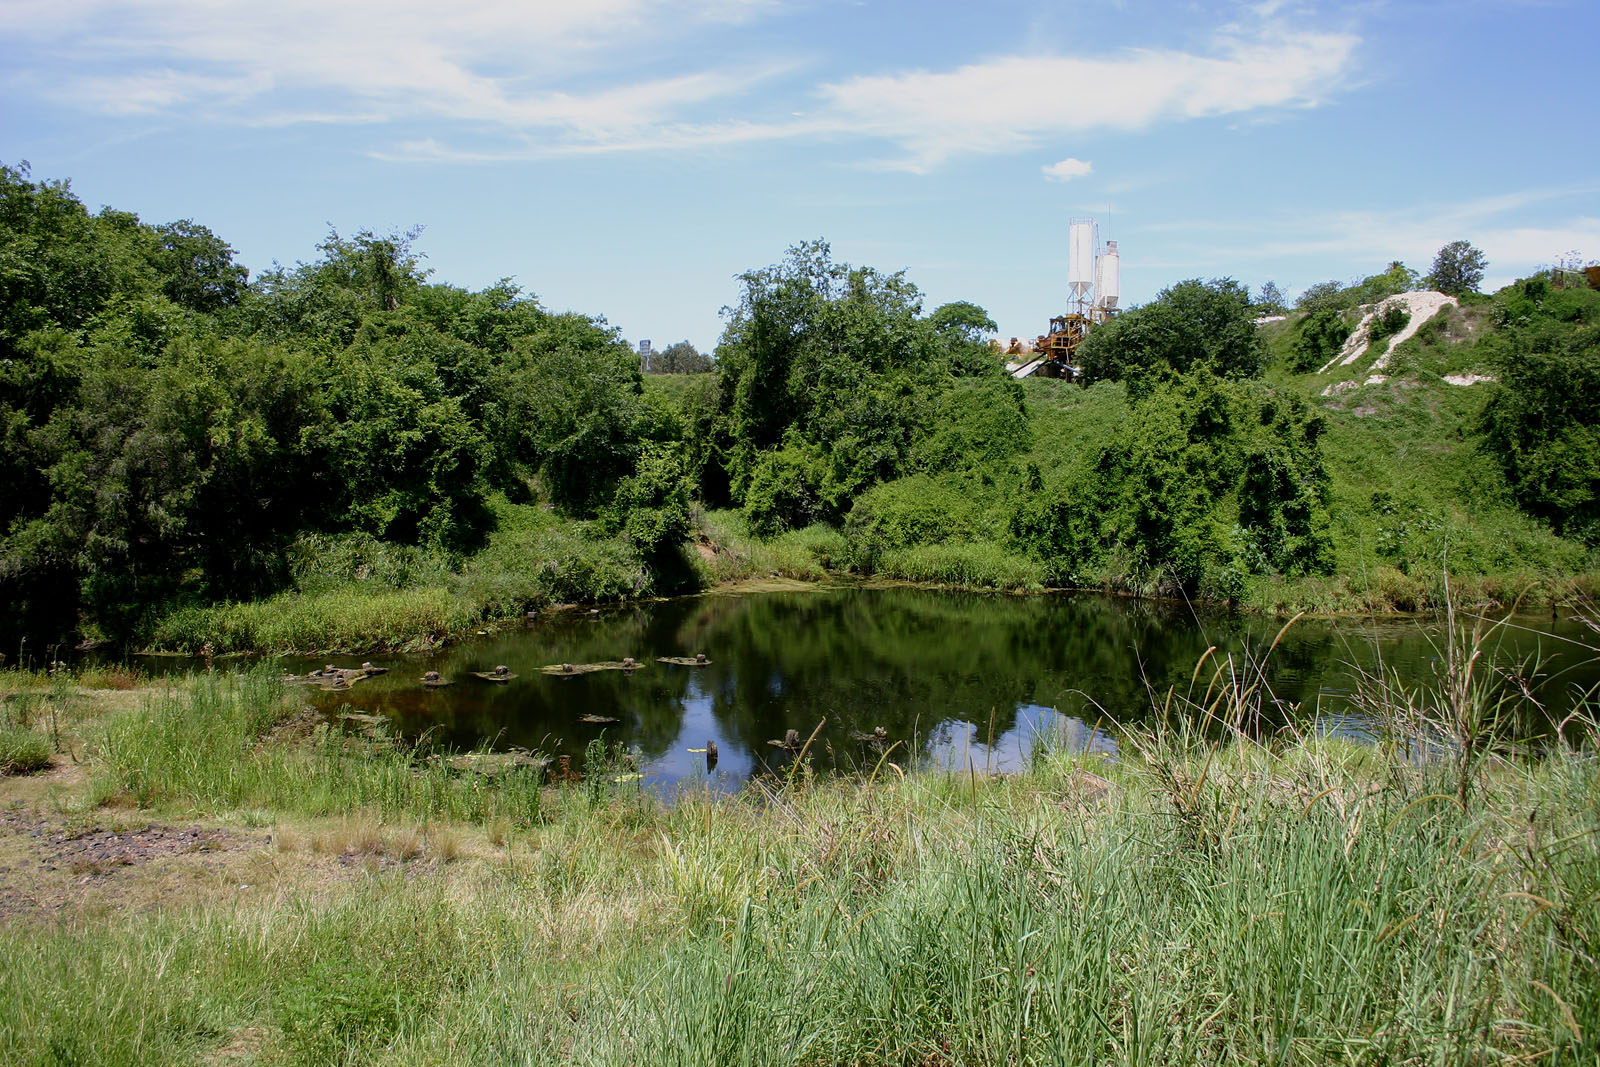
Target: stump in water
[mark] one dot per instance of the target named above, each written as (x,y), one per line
(711,755)
(790,742)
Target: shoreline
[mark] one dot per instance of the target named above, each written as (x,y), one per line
(1485,593)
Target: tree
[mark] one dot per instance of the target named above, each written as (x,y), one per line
(1188,325)
(1322,334)
(197,267)
(963,319)
(1542,422)
(963,327)
(680,358)
(1328,294)
(1271,300)
(1457,269)
(825,354)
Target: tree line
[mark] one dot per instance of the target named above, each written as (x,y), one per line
(177,431)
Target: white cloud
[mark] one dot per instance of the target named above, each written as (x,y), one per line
(1067,169)
(501,62)
(1013,102)
(543,77)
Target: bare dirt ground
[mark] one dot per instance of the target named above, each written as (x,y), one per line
(61,861)
(53,866)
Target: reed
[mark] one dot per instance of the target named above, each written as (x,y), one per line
(209,747)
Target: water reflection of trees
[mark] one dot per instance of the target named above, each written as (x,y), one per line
(901,658)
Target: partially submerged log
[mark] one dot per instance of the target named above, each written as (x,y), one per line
(334,678)
(570,669)
(696,660)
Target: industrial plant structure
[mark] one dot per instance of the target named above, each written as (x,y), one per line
(1094,280)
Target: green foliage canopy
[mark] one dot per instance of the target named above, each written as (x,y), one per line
(828,375)
(1542,422)
(1189,325)
(1457,269)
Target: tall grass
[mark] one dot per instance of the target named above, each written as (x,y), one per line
(924,920)
(968,566)
(1229,892)
(354,594)
(208,748)
(735,553)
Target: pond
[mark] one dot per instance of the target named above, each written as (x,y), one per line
(963,680)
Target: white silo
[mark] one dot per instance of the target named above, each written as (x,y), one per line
(1083,235)
(1108,278)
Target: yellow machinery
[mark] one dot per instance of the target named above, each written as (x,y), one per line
(1059,347)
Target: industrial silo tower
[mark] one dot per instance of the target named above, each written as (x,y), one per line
(1094,281)
(1083,238)
(1107,282)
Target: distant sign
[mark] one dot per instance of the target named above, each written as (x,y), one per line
(644,347)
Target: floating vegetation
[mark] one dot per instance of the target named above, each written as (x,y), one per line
(627,663)
(501,674)
(332,678)
(491,763)
(596,718)
(696,660)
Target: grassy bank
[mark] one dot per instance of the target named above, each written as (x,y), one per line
(1206,897)
(358,594)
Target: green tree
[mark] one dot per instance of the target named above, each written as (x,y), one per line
(1396,278)
(1271,301)
(197,267)
(1189,325)
(1322,295)
(965,328)
(1542,423)
(820,355)
(680,358)
(1320,337)
(1457,269)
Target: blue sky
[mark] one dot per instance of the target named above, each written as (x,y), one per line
(628,158)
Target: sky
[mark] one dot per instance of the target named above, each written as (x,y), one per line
(630,158)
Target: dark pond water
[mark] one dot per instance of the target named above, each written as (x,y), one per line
(957,679)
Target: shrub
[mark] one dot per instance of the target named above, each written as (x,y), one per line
(1322,334)
(1387,321)
(23,751)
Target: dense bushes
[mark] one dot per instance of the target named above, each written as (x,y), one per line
(171,431)
(1321,336)
(1206,481)
(1189,325)
(829,377)
(1543,424)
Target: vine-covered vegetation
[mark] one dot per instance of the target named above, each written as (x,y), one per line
(348,454)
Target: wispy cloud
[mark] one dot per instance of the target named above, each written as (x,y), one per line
(522,78)
(499,62)
(1512,244)
(1016,101)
